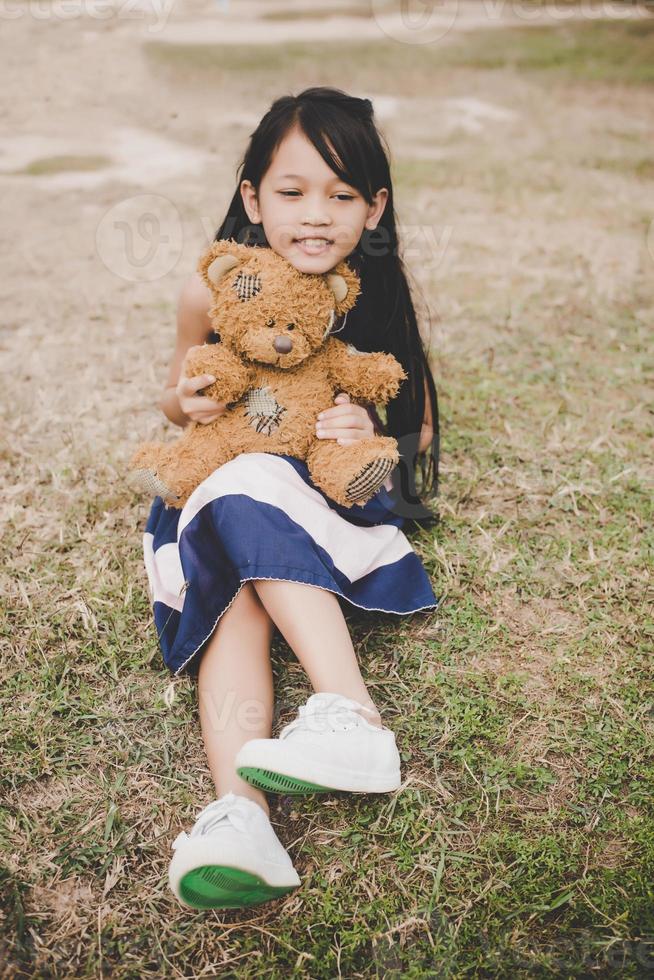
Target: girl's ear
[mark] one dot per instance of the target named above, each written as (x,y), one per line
(345,285)
(220,258)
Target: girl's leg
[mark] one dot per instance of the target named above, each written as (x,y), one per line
(235,690)
(312,623)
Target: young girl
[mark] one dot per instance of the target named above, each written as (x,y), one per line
(268,548)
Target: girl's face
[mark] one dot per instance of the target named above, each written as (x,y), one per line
(309,216)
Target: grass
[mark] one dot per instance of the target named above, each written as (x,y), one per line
(521,842)
(63,164)
(592,52)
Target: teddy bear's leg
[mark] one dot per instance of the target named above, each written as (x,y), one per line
(352,474)
(174,471)
(145,465)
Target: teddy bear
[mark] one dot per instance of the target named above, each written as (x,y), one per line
(276,366)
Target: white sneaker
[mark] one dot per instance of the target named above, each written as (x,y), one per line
(329,746)
(231,859)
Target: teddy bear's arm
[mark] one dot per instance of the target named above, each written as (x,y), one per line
(233,377)
(375,377)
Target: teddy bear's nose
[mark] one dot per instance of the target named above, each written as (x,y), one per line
(282,344)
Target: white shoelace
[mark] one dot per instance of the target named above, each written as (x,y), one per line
(339,713)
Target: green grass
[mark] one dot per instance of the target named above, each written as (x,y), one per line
(523,839)
(63,164)
(639,166)
(521,843)
(596,51)
(605,52)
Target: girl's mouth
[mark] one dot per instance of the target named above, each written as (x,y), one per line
(313,246)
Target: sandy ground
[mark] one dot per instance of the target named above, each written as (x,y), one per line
(89,94)
(443,20)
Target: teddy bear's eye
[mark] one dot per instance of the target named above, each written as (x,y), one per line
(290,326)
(270,322)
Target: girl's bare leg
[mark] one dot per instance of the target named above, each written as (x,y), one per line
(311,621)
(235,690)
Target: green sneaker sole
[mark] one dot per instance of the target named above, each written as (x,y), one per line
(277,782)
(216,886)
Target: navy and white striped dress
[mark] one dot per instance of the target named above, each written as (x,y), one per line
(260,516)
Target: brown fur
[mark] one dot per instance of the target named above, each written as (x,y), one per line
(302,382)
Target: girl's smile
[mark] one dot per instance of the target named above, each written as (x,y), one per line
(314,246)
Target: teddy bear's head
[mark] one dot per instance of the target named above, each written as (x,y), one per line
(265,310)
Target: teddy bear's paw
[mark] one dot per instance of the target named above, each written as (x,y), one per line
(368,480)
(150,483)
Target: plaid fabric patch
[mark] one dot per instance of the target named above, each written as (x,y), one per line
(369,480)
(152,485)
(264,410)
(247,285)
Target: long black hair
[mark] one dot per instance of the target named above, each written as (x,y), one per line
(383,318)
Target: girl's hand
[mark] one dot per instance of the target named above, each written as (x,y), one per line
(347,423)
(197,407)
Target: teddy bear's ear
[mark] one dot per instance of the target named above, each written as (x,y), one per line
(345,285)
(220,267)
(220,258)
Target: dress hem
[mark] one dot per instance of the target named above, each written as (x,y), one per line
(277,578)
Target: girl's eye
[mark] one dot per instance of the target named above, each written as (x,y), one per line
(342,196)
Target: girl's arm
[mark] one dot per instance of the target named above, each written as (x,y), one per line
(427,430)
(193,328)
